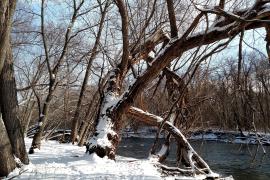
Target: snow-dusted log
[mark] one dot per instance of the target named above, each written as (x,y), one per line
(196,163)
(175,170)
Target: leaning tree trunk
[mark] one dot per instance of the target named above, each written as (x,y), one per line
(106,138)
(36,142)
(28,117)
(94,52)
(9,107)
(115,104)
(6,156)
(12,142)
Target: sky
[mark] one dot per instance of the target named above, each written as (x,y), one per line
(56,12)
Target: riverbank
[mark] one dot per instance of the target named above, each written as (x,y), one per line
(232,137)
(208,135)
(58,161)
(243,162)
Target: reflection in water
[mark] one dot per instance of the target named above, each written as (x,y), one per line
(224,158)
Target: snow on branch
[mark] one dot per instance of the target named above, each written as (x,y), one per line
(228,21)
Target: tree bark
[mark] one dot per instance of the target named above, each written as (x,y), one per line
(9,109)
(6,157)
(28,118)
(7,8)
(12,142)
(36,142)
(267,39)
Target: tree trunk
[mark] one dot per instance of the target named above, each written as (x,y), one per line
(88,120)
(7,8)
(9,109)
(6,157)
(115,104)
(106,139)
(12,142)
(28,118)
(75,121)
(36,142)
(86,132)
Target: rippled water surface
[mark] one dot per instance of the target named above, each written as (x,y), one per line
(237,160)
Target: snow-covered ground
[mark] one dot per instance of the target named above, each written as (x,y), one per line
(58,161)
(66,161)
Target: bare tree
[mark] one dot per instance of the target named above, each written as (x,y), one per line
(53,71)
(116,104)
(12,139)
(94,52)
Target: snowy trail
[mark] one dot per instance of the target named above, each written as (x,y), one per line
(66,161)
(58,161)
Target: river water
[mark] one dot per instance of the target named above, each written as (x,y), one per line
(240,161)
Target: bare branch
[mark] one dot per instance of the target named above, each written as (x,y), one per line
(174,31)
(125,35)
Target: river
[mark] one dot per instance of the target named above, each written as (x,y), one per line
(224,158)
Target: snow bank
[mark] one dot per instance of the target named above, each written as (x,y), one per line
(58,161)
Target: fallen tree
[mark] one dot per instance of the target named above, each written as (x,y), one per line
(116,103)
(189,155)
